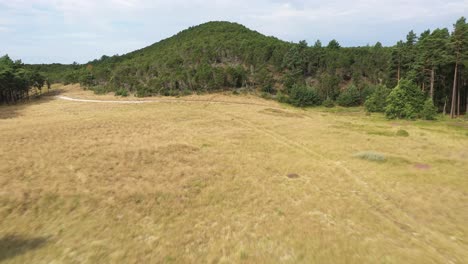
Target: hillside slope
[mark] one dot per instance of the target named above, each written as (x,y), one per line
(202,58)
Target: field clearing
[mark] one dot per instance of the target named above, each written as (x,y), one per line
(212,179)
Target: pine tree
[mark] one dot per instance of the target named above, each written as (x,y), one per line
(433,52)
(459,43)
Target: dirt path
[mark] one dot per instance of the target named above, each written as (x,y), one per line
(166,100)
(99,101)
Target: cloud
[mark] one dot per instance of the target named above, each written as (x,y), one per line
(119,26)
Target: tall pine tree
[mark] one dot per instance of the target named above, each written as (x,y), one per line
(459,44)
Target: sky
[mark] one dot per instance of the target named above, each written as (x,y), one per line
(64,31)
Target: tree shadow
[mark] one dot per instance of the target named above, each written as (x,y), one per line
(14,245)
(13,110)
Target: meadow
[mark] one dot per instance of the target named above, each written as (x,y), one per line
(225,178)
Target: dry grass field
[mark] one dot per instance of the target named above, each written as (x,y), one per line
(227,179)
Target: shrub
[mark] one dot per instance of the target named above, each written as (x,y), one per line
(402,133)
(186,92)
(143,91)
(282,98)
(121,92)
(404,101)
(266,96)
(429,111)
(291,79)
(370,155)
(349,97)
(377,101)
(302,96)
(268,88)
(328,103)
(99,89)
(367,91)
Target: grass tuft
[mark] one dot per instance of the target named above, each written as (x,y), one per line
(381,133)
(371,156)
(244,255)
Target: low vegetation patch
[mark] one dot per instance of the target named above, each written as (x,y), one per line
(371,156)
(349,97)
(377,101)
(429,111)
(381,133)
(328,103)
(121,92)
(402,133)
(303,96)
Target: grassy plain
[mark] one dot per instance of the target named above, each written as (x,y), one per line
(215,180)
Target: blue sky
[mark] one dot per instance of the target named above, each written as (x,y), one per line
(46,31)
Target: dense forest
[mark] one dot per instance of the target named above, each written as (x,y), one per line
(415,78)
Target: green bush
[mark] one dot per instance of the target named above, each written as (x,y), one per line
(404,101)
(121,92)
(429,111)
(282,98)
(377,101)
(268,88)
(367,91)
(349,97)
(267,96)
(291,79)
(186,92)
(328,103)
(402,133)
(144,91)
(303,96)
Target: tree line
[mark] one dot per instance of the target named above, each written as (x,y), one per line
(427,73)
(16,81)
(437,62)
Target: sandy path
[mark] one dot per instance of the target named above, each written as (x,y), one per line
(99,101)
(167,100)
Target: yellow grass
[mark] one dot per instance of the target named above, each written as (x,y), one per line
(207,181)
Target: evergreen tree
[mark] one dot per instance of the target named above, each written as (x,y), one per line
(459,43)
(333,44)
(377,101)
(404,101)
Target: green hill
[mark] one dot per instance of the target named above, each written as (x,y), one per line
(208,57)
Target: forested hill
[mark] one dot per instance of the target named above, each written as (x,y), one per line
(203,58)
(223,55)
